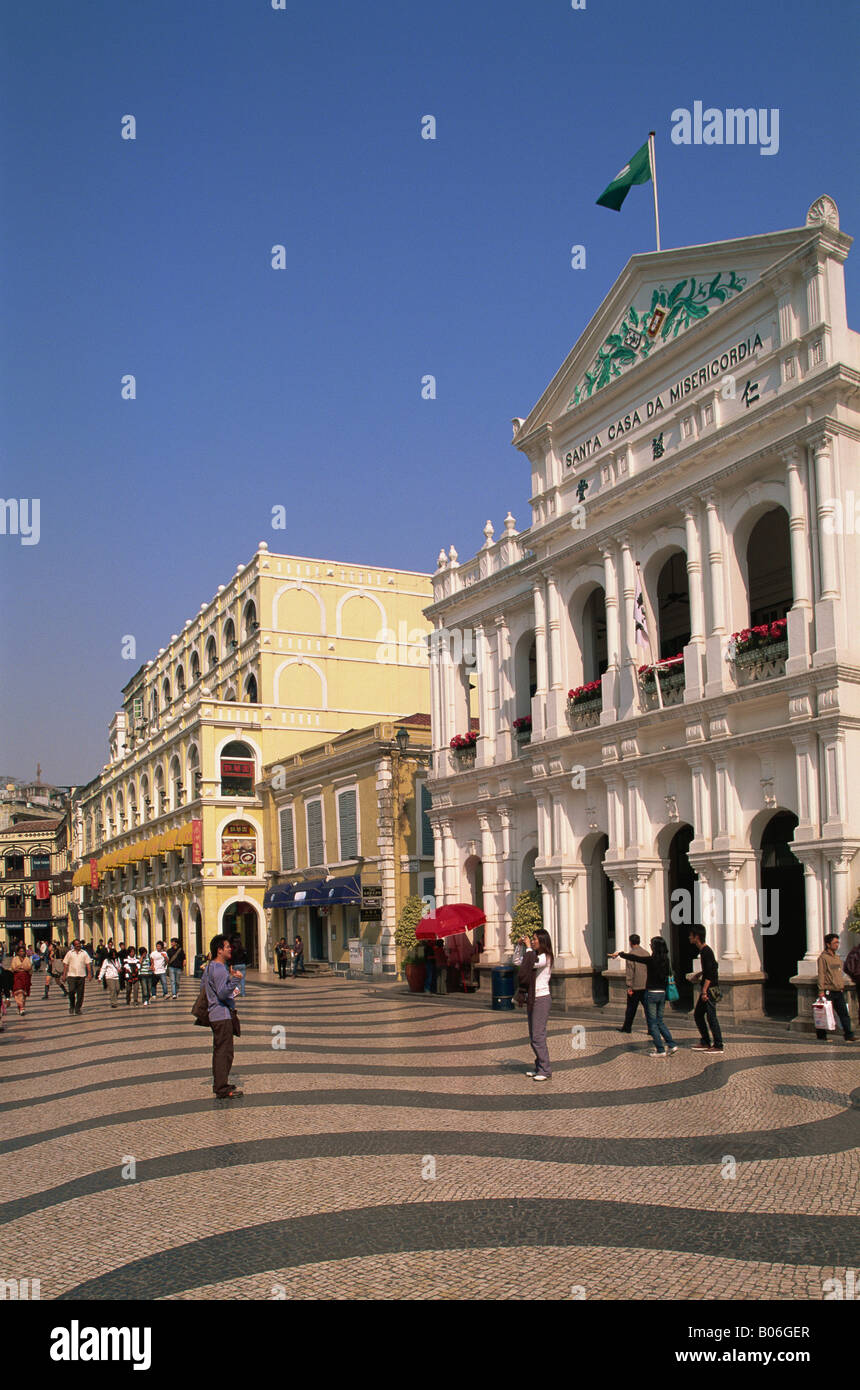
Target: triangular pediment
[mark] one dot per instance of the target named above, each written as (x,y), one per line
(659,297)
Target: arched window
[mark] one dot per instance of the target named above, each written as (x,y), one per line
(120,813)
(177,791)
(165,691)
(239,850)
(108,819)
(230,643)
(132,807)
(211,654)
(160,804)
(251,689)
(14,865)
(194,774)
(769,566)
(238,770)
(40,865)
(179,682)
(249,620)
(673,606)
(195,668)
(594,653)
(145,802)
(153,705)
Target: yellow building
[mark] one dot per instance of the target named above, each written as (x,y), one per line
(35,885)
(351,840)
(169,838)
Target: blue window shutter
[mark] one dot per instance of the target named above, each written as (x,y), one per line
(316,848)
(348,824)
(288,839)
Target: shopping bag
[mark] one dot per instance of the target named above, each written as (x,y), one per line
(824,1015)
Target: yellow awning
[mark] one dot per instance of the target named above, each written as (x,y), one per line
(185,835)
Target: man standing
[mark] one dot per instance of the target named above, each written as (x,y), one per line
(221,985)
(77,969)
(298,956)
(832,984)
(175,963)
(636,976)
(705,1012)
(159,966)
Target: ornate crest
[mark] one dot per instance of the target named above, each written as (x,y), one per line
(669,313)
(824,210)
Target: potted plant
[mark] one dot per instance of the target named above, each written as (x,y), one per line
(765,641)
(407,942)
(463,747)
(523,729)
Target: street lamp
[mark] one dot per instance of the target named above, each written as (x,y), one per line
(402,739)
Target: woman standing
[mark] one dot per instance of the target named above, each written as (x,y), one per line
(131,976)
(659,968)
(110,974)
(22,973)
(537,967)
(282,951)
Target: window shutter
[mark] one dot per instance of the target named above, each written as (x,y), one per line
(426,827)
(346,810)
(316,853)
(288,839)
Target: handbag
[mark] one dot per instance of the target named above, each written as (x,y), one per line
(824,1015)
(715,994)
(237,1027)
(672,995)
(200,1007)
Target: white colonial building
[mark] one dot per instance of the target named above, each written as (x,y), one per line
(705,427)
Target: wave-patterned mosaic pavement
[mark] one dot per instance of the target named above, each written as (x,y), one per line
(394,1148)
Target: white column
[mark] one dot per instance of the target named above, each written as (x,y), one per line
(801,581)
(628,700)
(814,928)
(695,650)
(717,676)
(841,892)
(539,700)
(486,749)
(609,679)
(825,506)
(493,930)
(557,695)
(730,944)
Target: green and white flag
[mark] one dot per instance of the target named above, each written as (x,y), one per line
(637,170)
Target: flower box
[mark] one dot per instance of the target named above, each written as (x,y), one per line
(753,639)
(760,663)
(586,694)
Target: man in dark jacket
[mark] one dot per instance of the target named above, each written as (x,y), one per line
(636,976)
(705,1012)
(852,970)
(221,983)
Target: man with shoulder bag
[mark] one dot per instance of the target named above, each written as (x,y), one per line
(832,985)
(221,985)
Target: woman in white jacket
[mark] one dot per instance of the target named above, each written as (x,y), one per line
(110,973)
(540,958)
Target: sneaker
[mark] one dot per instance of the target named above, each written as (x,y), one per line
(531,1073)
(232,1095)
(540,1076)
(716,1049)
(655,1053)
(701,1047)
(673,1048)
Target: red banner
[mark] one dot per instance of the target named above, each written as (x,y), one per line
(197,842)
(94,873)
(43,889)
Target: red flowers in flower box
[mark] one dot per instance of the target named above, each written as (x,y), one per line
(762,635)
(582,693)
(523,725)
(668,667)
(462,742)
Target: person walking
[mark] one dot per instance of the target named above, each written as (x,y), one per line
(146,975)
(53,970)
(239,961)
(832,985)
(298,956)
(109,974)
(159,966)
(658,968)
(705,1012)
(221,983)
(536,970)
(636,974)
(131,977)
(77,969)
(282,956)
(175,966)
(22,977)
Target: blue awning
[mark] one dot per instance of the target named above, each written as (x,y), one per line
(343,890)
(279,896)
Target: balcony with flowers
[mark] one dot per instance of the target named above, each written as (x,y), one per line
(670,673)
(584,705)
(759,653)
(463,750)
(523,730)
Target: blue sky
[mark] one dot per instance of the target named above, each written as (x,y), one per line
(404,257)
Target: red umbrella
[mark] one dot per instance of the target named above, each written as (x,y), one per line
(448,920)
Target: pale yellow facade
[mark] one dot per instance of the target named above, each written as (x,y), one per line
(292,651)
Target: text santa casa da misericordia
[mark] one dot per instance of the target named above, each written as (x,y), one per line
(683,387)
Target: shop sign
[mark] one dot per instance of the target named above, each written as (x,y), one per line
(355,953)
(197,842)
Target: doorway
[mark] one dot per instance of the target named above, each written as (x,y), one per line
(683,912)
(782,882)
(241,919)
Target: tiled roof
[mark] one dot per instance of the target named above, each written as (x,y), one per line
(422,720)
(29,826)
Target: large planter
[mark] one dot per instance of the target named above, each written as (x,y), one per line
(462,758)
(671,688)
(415,975)
(584,714)
(761,663)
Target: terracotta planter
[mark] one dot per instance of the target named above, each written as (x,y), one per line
(415,975)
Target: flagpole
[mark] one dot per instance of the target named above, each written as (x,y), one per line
(654,182)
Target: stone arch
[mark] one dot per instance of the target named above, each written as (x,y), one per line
(298,586)
(364,629)
(307,695)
